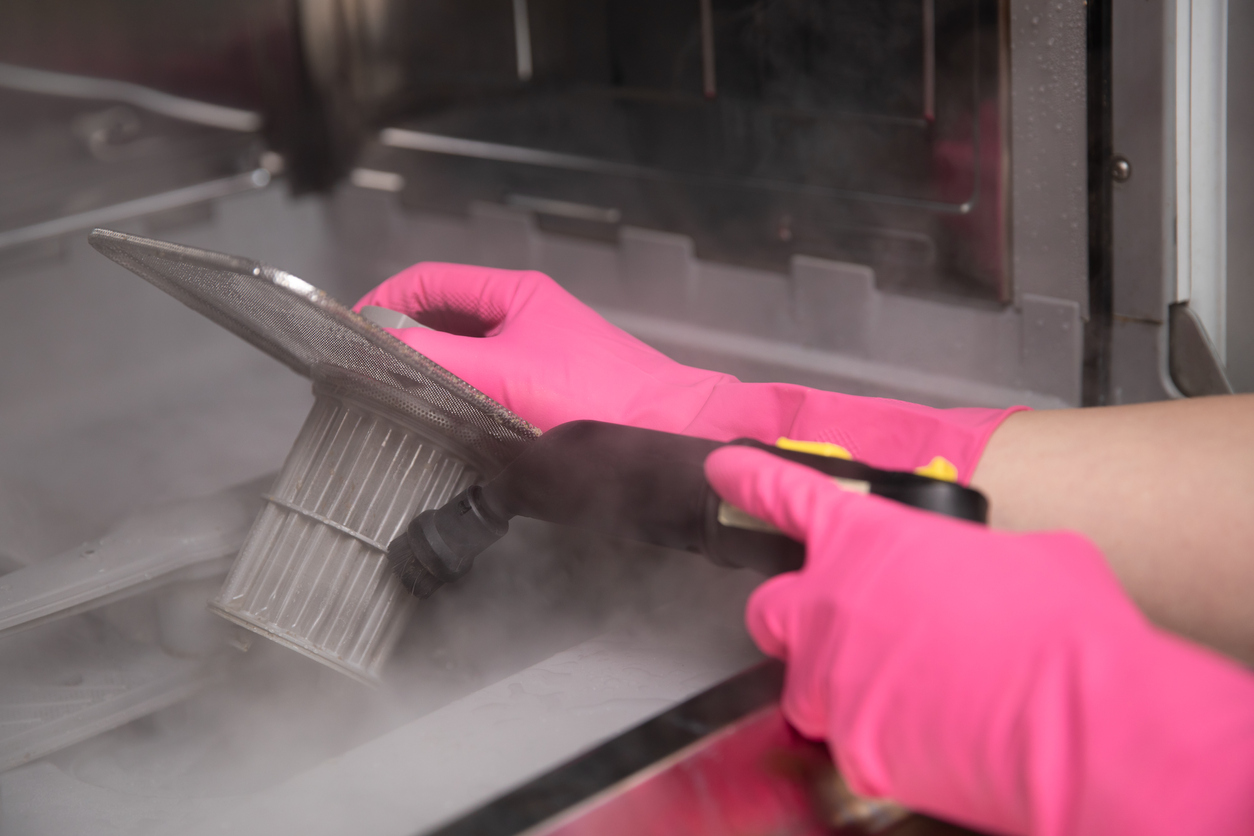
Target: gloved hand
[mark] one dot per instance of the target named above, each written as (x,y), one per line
(521,339)
(999,680)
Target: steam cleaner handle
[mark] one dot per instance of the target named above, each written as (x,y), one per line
(638,484)
(734,538)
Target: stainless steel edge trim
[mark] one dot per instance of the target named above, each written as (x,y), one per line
(709,81)
(917,384)
(256,179)
(410,140)
(929,60)
(522,40)
(45,82)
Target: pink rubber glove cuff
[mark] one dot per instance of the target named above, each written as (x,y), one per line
(884,433)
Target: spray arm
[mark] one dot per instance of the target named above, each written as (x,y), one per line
(638,484)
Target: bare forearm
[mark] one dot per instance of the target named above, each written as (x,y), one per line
(1166,490)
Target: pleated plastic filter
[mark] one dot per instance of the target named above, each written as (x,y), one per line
(390,434)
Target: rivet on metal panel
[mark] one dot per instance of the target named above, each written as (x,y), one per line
(1120,169)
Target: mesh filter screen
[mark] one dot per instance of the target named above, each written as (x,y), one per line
(306,329)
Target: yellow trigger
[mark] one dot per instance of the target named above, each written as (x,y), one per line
(939,468)
(816,448)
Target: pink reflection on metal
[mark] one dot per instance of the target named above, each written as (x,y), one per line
(755,776)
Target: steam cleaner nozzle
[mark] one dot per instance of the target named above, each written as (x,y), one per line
(440,545)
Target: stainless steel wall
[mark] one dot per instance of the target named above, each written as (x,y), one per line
(1241,195)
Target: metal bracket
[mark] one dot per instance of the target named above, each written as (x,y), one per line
(1192,360)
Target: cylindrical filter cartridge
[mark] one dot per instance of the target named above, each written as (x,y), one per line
(312,574)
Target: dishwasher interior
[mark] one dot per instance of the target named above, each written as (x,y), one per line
(891,199)
(139,440)
(156,440)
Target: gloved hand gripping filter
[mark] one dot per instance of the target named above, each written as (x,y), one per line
(390,434)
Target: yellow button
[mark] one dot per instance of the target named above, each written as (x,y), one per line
(814,448)
(939,468)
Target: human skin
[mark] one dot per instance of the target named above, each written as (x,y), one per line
(1165,490)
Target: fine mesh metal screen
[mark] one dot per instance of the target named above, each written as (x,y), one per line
(312,333)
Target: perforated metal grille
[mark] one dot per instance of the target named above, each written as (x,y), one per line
(306,329)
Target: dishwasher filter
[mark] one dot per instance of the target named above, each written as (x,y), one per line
(390,434)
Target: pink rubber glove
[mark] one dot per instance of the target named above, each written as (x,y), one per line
(999,680)
(521,339)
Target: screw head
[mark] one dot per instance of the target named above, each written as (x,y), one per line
(1120,169)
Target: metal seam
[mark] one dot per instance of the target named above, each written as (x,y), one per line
(315,516)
